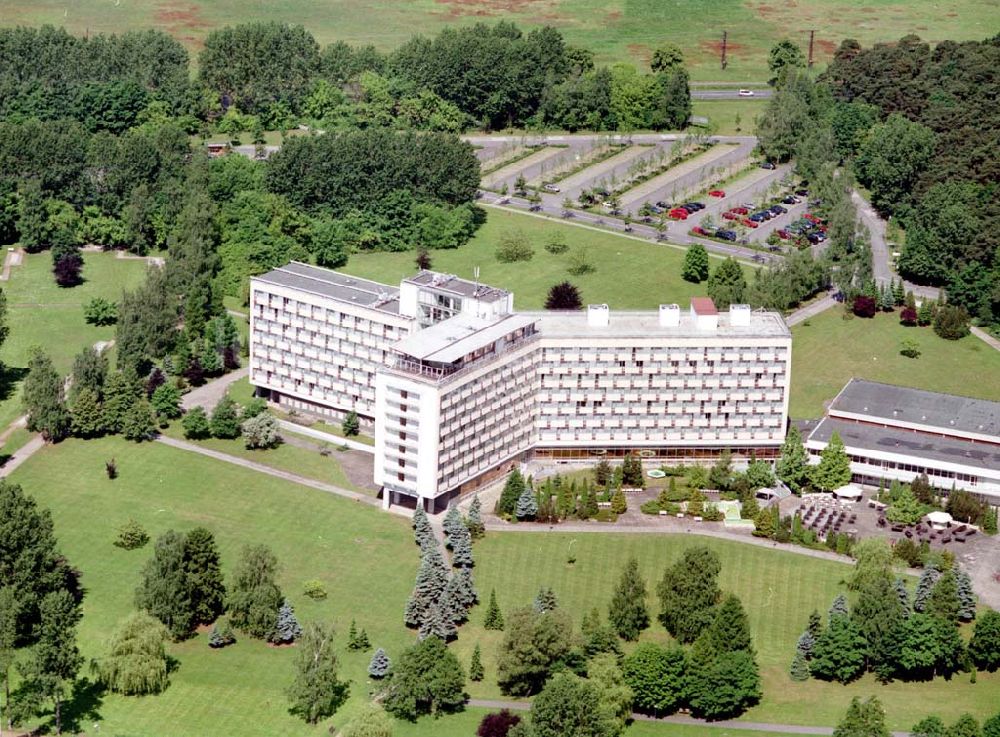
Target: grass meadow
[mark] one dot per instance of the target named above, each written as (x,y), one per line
(40,313)
(629,273)
(616,30)
(828,350)
(367,561)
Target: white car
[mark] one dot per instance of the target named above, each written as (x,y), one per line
(745,93)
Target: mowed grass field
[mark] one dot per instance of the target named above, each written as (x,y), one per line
(367,561)
(615,30)
(40,313)
(828,350)
(629,273)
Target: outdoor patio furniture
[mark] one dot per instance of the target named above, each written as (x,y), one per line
(972,531)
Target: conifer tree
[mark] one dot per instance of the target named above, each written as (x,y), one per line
(432,578)
(628,614)
(87,416)
(904,596)
(286,629)
(120,393)
(437,624)
(55,659)
(476,672)
(225,420)
(352,636)
(453,526)
(793,465)
(90,371)
(800,669)
(380,665)
(206,590)
(619,505)
(221,636)
(966,596)
(163,589)
(928,578)
(465,588)
(943,602)
(461,556)
(566,500)
(195,424)
(139,423)
(494,618)
(527,507)
(475,519)
(863,719)
(450,604)
(805,644)
(351,425)
(363,642)
(512,490)
(839,606)
(545,600)
(423,535)
(588,508)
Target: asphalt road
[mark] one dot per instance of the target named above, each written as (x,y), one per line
(729,95)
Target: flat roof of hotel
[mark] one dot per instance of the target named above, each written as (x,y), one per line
(461,287)
(922,447)
(623,324)
(902,404)
(451,339)
(333,284)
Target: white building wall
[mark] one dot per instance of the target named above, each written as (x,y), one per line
(318,350)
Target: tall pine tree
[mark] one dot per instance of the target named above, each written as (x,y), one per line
(627,612)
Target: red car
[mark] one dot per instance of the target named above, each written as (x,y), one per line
(784,234)
(740,210)
(698,230)
(678,214)
(812,218)
(716,193)
(730,216)
(750,223)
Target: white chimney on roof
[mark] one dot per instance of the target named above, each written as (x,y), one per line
(705,314)
(598,316)
(670,316)
(739,316)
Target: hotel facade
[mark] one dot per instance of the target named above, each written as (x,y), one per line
(459,387)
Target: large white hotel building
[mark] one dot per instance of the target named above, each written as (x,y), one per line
(460,387)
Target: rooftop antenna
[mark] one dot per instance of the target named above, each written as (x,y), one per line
(475,272)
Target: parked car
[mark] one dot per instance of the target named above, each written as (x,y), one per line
(717,193)
(749,206)
(726,235)
(791,200)
(802,192)
(696,205)
(784,234)
(814,238)
(655,209)
(664,205)
(768,165)
(689,207)
(757,217)
(778,210)
(750,223)
(698,230)
(740,210)
(813,218)
(745,93)
(730,216)
(550,188)
(678,214)
(774,249)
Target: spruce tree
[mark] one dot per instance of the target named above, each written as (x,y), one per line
(461,556)
(286,629)
(476,672)
(512,490)
(943,602)
(465,588)
(800,669)
(196,425)
(432,578)
(588,509)
(423,534)
(450,604)
(863,719)
(805,644)
(453,526)
(619,505)
(363,642)
(437,624)
(380,665)
(120,393)
(627,613)
(494,618)
(838,607)
(966,596)
(527,507)
(351,425)
(352,636)
(163,590)
(815,624)
(87,416)
(545,601)
(221,636)
(475,519)
(839,652)
(928,578)
(602,473)
(202,569)
(904,595)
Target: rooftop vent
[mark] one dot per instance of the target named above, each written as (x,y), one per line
(670,316)
(598,316)
(739,316)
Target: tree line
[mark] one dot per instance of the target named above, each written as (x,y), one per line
(914,125)
(265,75)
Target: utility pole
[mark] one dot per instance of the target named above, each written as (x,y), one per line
(812,39)
(724,39)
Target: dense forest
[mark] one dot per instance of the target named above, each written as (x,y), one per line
(919,127)
(261,76)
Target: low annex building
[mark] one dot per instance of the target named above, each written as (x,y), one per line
(895,433)
(460,387)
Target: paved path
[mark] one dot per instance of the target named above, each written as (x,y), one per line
(326,437)
(208,394)
(14,257)
(21,455)
(811,310)
(682,719)
(985,337)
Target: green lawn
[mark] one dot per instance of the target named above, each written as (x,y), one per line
(614,29)
(367,560)
(828,350)
(42,314)
(285,457)
(722,114)
(629,273)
